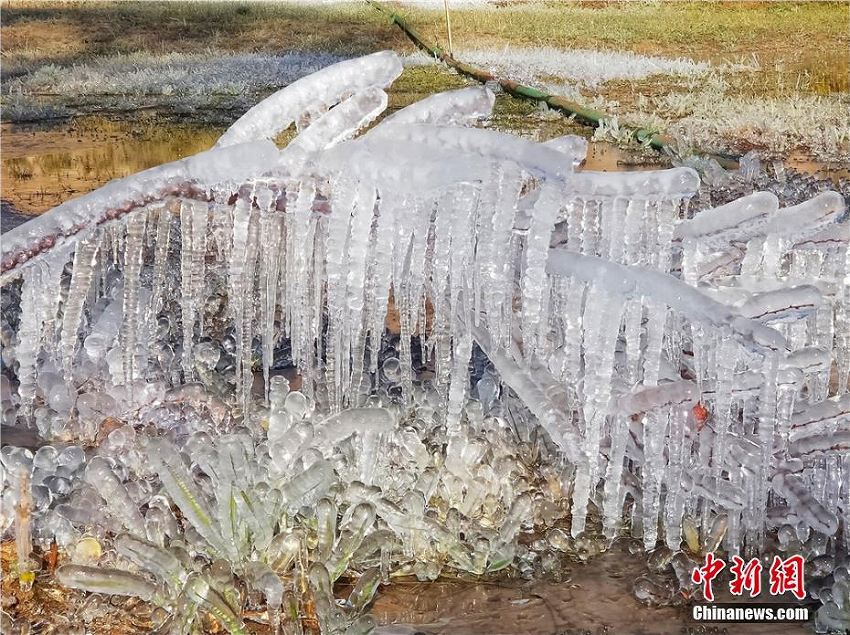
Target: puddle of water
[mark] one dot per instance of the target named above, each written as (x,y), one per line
(43,166)
(607,157)
(816,168)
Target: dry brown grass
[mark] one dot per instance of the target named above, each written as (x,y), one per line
(60,32)
(37,33)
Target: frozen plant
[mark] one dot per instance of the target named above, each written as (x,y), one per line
(681,368)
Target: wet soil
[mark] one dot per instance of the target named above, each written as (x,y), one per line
(590,598)
(593,597)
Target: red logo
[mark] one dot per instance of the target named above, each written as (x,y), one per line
(747,576)
(785,576)
(705,574)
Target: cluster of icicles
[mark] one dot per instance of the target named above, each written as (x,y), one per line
(640,359)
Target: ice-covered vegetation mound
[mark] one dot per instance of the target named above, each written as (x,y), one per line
(500,358)
(585,67)
(174,73)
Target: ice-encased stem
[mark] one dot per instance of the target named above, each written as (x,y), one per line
(107,581)
(23,532)
(182,489)
(100,475)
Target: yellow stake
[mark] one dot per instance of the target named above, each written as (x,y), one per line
(449,27)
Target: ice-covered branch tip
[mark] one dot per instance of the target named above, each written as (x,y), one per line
(759,215)
(117,198)
(639,186)
(455,107)
(489,145)
(312,95)
(629,282)
(338,124)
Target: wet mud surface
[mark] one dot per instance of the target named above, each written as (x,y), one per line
(592,597)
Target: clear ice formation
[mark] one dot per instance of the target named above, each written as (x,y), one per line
(680,372)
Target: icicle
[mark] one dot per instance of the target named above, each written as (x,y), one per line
(633,323)
(200,221)
(652,472)
(161,245)
(131,314)
(85,258)
(299,205)
(766,430)
(26,350)
(678,453)
(187,300)
(358,252)
(242,267)
(612,510)
(543,219)
(338,354)
(602,325)
(271,225)
(459,379)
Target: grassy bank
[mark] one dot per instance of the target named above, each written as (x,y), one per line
(37,33)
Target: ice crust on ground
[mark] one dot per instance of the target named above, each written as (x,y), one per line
(573,354)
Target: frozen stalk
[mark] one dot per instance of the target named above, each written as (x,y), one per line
(23,532)
(118,502)
(107,581)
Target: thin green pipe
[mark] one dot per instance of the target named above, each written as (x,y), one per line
(580,113)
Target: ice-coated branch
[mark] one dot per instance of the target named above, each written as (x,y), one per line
(78,216)
(460,107)
(541,394)
(316,92)
(338,124)
(630,282)
(735,221)
(675,183)
(489,145)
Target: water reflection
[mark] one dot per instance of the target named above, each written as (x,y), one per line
(43,166)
